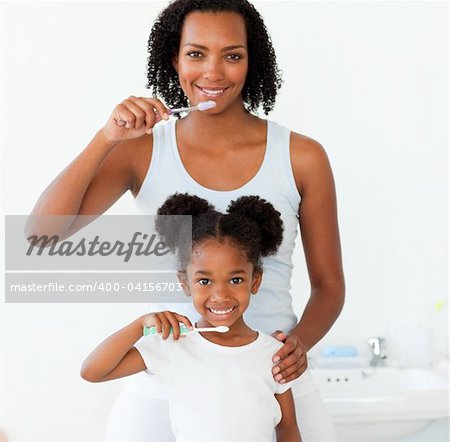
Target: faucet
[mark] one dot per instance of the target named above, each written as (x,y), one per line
(376,346)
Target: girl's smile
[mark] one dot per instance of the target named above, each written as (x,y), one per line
(222,311)
(221,315)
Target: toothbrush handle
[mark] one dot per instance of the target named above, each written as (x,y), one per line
(152,330)
(182,109)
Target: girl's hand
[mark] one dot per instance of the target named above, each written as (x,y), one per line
(134,117)
(290,359)
(164,320)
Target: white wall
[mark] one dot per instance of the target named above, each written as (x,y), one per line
(366,79)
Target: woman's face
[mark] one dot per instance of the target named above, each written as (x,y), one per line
(212,60)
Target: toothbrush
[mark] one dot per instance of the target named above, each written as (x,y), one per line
(202,106)
(185,330)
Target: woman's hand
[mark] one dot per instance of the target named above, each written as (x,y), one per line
(163,321)
(290,359)
(134,117)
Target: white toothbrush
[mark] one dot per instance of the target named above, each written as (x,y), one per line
(202,106)
(185,330)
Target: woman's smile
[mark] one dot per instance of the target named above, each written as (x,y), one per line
(211,92)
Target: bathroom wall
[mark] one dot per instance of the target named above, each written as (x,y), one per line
(368,80)
(387,143)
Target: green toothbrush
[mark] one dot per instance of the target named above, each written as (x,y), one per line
(184,330)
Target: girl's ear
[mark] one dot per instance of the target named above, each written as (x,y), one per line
(182,278)
(257,279)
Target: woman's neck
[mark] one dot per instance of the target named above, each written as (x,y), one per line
(218,127)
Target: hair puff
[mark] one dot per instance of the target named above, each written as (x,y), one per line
(172,228)
(251,224)
(265,216)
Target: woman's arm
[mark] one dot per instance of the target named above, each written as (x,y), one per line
(101,174)
(94,180)
(320,237)
(321,244)
(287,430)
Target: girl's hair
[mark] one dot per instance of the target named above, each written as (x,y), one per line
(251,224)
(263,77)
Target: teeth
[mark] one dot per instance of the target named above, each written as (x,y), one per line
(206,91)
(222,312)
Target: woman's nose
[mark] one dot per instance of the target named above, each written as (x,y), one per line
(213,70)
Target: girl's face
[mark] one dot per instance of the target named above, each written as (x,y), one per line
(212,61)
(220,280)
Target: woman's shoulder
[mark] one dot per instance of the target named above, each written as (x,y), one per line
(306,147)
(308,158)
(301,146)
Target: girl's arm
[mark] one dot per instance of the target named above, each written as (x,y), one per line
(287,430)
(117,357)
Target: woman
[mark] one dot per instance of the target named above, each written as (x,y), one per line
(216,50)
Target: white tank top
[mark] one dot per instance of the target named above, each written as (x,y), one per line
(271,308)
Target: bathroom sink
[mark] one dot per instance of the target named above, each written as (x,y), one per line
(383,403)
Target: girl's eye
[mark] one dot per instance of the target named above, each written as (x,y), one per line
(203,281)
(236,280)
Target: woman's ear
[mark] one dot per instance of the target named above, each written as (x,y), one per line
(182,278)
(257,279)
(175,63)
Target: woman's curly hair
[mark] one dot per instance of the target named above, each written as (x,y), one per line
(251,224)
(263,77)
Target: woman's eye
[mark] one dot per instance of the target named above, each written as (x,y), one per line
(203,281)
(236,280)
(234,57)
(194,54)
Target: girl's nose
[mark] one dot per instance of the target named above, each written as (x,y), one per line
(219,294)
(213,70)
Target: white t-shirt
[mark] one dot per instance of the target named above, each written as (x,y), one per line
(217,393)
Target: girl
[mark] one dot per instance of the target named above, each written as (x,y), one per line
(216,50)
(228,375)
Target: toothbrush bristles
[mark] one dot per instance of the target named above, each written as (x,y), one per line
(222,329)
(205,105)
